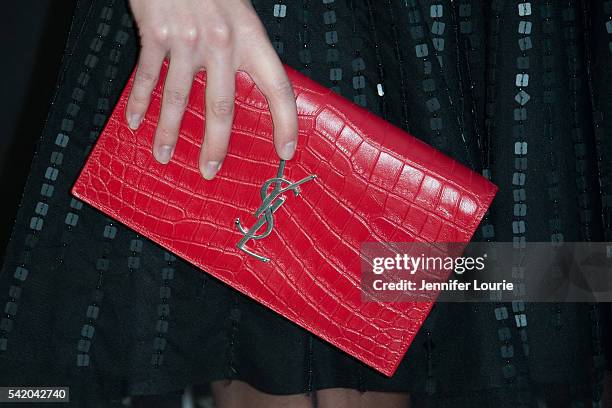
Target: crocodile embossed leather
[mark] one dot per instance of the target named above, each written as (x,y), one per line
(275,232)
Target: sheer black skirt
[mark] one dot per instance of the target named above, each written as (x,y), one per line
(515,89)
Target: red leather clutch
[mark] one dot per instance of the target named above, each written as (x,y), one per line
(288,234)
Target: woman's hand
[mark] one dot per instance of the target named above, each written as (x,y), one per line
(220,36)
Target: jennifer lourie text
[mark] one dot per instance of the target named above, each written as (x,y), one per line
(404,285)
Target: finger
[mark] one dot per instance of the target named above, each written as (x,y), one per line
(270,77)
(220,89)
(147,73)
(174,101)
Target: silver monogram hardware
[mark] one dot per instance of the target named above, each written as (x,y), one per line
(271,201)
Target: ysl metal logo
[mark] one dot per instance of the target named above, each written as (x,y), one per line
(271,200)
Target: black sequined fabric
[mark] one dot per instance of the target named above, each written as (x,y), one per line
(517,90)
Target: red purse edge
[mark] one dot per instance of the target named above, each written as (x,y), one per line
(388,370)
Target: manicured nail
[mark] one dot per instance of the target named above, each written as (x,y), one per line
(134,121)
(163,153)
(210,169)
(287,151)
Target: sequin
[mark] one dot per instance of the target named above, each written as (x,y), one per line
(93,312)
(414,17)
(83,79)
(110,232)
(161,326)
(333,55)
(438,43)
(521,320)
(509,371)
(102,264)
(436,10)
(91,61)
(358,64)
(359,82)
(88,331)
(164,292)
(133,262)
(421,50)
(465,10)
(504,334)
(106,13)
(41,208)
(331,37)
(507,351)
(518,179)
(159,343)
(522,97)
(84,345)
(136,245)
(524,27)
(163,310)
(520,114)
(14,292)
(36,223)
(82,360)
(329,17)
(501,313)
(57,158)
(157,360)
(51,173)
(96,45)
(518,227)
(433,104)
(10,308)
(46,190)
(280,10)
(525,43)
(488,231)
(167,273)
(121,37)
(62,140)
(524,9)
(518,272)
(429,85)
(522,80)
(335,74)
(520,163)
(71,219)
(437,28)
(103,29)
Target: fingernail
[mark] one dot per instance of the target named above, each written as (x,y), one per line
(287,151)
(134,121)
(210,169)
(163,153)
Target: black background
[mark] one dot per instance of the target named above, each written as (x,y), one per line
(33,37)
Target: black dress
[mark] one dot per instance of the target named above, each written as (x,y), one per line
(513,88)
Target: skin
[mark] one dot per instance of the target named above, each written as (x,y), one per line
(221,37)
(238,394)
